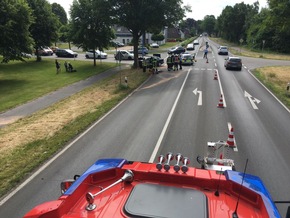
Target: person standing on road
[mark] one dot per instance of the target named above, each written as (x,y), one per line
(180,62)
(176,62)
(205,53)
(57,65)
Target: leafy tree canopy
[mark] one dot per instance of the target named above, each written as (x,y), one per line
(14,30)
(59,11)
(91,22)
(44,29)
(147,15)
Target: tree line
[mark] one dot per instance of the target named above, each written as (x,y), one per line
(26,25)
(268,28)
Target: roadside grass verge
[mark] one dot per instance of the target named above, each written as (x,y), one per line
(21,82)
(276,80)
(29,142)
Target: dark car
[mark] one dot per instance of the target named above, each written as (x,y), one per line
(141,50)
(176,50)
(233,63)
(65,53)
(149,61)
(117,44)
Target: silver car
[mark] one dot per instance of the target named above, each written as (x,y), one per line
(98,54)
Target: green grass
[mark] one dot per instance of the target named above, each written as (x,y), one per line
(21,82)
(18,163)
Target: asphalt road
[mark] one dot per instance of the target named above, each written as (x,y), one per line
(177,111)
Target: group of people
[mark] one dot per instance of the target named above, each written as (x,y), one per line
(173,62)
(67,65)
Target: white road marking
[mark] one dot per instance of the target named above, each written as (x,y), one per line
(157,146)
(199,102)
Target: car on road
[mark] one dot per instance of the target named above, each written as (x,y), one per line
(98,54)
(187,59)
(190,47)
(223,50)
(196,42)
(154,45)
(233,63)
(176,50)
(141,50)
(124,55)
(66,53)
(45,51)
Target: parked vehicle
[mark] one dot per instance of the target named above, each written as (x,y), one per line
(223,50)
(141,50)
(149,61)
(176,50)
(233,63)
(65,53)
(117,44)
(190,47)
(124,55)
(44,51)
(154,45)
(187,59)
(98,54)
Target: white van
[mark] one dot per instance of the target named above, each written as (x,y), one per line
(196,42)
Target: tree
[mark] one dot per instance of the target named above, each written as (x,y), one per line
(233,23)
(59,11)
(91,22)
(208,24)
(280,19)
(147,15)
(44,29)
(261,30)
(157,37)
(189,24)
(14,30)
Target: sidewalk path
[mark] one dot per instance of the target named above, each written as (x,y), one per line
(45,101)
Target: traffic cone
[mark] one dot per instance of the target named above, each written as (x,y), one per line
(231,140)
(215,75)
(221,157)
(221,102)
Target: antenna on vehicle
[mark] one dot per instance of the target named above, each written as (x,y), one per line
(217,193)
(235,215)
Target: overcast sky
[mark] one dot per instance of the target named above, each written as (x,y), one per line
(200,8)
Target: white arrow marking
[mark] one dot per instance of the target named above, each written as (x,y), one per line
(199,102)
(252,100)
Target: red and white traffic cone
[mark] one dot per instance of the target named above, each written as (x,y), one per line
(221,102)
(215,75)
(231,139)
(220,161)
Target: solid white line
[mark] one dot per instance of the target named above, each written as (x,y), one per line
(221,89)
(157,146)
(230,127)
(12,193)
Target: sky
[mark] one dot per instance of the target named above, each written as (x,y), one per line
(200,8)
